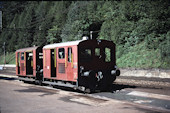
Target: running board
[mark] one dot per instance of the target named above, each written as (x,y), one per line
(65,85)
(60,84)
(26,79)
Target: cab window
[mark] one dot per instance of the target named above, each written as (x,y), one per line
(69,54)
(107,54)
(18,62)
(85,54)
(61,53)
(22,56)
(97,51)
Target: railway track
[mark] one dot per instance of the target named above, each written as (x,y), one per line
(8,71)
(158,83)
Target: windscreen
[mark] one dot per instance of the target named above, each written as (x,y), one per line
(103,54)
(85,55)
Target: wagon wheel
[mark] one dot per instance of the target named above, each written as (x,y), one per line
(40,82)
(39,79)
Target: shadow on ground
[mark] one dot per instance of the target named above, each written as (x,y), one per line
(116,87)
(6,78)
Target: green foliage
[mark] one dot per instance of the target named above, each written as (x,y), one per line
(140,57)
(140,29)
(59,10)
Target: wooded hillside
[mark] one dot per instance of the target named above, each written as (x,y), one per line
(140,29)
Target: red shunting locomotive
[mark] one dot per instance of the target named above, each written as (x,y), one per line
(86,64)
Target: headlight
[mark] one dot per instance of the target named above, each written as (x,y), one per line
(86,73)
(81,69)
(113,72)
(41,71)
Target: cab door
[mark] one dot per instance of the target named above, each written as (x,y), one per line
(53,62)
(61,63)
(23,64)
(46,63)
(18,63)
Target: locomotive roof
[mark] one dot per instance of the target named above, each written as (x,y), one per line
(27,49)
(71,43)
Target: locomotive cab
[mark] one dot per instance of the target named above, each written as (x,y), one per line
(97,64)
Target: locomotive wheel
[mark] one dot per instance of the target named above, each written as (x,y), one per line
(87,90)
(92,82)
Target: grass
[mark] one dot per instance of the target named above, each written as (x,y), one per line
(140,57)
(10,58)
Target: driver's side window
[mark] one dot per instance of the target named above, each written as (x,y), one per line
(61,53)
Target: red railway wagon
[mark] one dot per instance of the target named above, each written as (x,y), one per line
(28,60)
(84,64)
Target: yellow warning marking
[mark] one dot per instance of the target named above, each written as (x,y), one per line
(71,60)
(54,57)
(44,57)
(24,59)
(65,60)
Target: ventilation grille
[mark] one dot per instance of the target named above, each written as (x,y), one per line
(61,67)
(22,66)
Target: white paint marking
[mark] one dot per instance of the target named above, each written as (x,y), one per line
(84,101)
(8,76)
(142,101)
(149,95)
